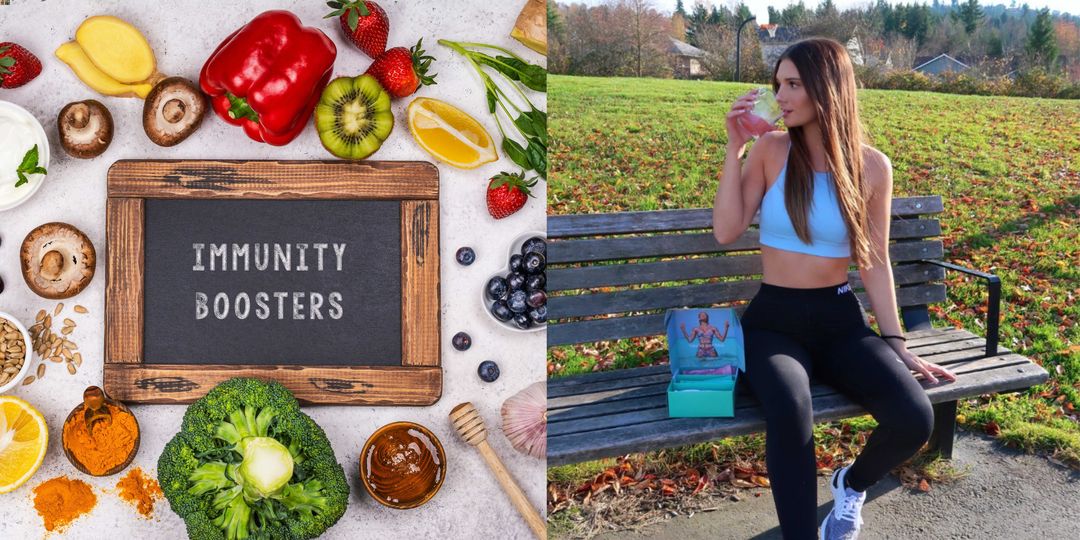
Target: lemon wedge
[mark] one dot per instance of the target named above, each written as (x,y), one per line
(449,134)
(23,441)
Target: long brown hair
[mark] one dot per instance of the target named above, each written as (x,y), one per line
(829,79)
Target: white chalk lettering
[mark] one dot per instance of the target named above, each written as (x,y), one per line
(339,250)
(320,248)
(240,251)
(262,263)
(201,311)
(221,305)
(198,258)
(284,256)
(316,304)
(297,314)
(263,310)
(302,266)
(218,251)
(281,296)
(335,306)
(247,305)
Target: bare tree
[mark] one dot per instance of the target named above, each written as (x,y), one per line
(649,31)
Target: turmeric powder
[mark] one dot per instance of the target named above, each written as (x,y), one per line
(140,490)
(61,500)
(109,446)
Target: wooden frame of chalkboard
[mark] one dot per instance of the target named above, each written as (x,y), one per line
(417,381)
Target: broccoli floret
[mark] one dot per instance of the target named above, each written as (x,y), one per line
(291,486)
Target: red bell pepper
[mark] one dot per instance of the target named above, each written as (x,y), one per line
(268,76)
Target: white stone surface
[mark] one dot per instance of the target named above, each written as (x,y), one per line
(183,33)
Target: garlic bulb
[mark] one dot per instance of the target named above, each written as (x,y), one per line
(524,420)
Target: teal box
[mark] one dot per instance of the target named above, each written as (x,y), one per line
(706,354)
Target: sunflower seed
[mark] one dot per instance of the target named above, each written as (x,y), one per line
(28,380)
(11,369)
(71,368)
(59,308)
(67,330)
(55,359)
(77,359)
(41,371)
(40,315)
(81,309)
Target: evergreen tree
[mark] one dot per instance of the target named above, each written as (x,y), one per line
(971,14)
(1042,42)
(827,9)
(680,9)
(774,15)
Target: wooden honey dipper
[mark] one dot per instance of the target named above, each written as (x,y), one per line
(471,427)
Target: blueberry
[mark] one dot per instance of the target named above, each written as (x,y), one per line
(461,341)
(535,281)
(518,302)
(537,298)
(488,371)
(497,288)
(515,262)
(538,315)
(522,321)
(534,263)
(515,281)
(501,311)
(466,256)
(535,244)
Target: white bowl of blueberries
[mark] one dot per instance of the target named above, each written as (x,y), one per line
(516,297)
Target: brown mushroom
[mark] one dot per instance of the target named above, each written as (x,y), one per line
(173,110)
(57,260)
(86,128)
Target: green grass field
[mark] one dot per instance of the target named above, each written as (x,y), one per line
(1008,169)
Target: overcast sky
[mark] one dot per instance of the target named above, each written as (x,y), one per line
(760,7)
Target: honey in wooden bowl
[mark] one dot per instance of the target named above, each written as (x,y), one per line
(402,465)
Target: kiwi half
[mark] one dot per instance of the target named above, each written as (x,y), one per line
(353,117)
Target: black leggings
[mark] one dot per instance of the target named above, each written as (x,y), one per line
(793,334)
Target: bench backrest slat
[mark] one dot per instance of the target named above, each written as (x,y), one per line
(567,226)
(607,285)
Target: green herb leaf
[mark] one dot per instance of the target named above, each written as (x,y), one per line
(525,124)
(516,153)
(491,99)
(532,76)
(29,165)
(537,157)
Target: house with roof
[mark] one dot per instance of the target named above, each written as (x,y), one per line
(939,64)
(685,60)
(773,44)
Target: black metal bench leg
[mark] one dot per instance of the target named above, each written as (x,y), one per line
(941,440)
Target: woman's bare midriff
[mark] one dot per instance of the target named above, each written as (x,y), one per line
(801,271)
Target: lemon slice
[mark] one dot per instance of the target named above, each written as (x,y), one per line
(23,441)
(446,132)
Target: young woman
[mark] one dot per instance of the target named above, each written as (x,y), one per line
(705,333)
(825,199)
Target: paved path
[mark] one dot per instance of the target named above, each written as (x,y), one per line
(1006,495)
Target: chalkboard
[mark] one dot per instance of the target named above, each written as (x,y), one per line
(273,282)
(322,275)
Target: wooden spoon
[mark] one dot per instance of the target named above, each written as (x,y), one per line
(471,427)
(94,410)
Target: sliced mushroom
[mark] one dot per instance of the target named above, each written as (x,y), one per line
(57,260)
(86,128)
(173,110)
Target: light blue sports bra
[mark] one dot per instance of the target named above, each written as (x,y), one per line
(827,229)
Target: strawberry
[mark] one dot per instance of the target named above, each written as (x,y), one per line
(401,71)
(507,193)
(18,66)
(364,23)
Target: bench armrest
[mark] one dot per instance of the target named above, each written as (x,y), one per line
(993,302)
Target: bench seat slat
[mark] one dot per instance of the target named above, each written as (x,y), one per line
(694,218)
(615,275)
(1019,372)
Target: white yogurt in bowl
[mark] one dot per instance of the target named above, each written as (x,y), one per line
(19,132)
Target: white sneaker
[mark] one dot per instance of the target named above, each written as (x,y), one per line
(845,518)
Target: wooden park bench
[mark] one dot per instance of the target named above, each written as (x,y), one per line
(613,276)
